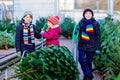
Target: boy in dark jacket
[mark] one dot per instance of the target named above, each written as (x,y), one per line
(89,42)
(26,34)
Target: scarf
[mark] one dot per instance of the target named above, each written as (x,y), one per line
(88,29)
(26,36)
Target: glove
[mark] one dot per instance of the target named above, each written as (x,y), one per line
(18,53)
(42,31)
(97,51)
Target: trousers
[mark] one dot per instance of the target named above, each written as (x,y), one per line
(85,60)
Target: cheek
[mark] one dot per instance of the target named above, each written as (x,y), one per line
(49,24)
(28,19)
(88,16)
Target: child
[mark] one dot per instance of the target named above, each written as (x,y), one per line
(89,42)
(52,32)
(26,34)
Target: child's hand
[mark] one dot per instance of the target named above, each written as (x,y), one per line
(97,51)
(48,28)
(42,31)
(19,53)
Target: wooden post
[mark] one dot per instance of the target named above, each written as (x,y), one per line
(110,7)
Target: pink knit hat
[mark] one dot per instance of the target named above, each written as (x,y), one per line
(54,20)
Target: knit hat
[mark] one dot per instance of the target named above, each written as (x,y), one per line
(27,13)
(54,20)
(87,10)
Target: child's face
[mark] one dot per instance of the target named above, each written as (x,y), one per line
(50,25)
(88,15)
(27,18)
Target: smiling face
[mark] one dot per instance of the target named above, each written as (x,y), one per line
(88,15)
(27,18)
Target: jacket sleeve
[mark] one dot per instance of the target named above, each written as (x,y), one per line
(18,37)
(48,35)
(98,36)
(37,34)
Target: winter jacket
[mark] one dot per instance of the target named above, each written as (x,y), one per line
(94,42)
(52,36)
(20,46)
